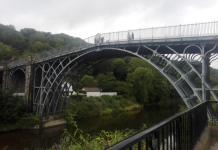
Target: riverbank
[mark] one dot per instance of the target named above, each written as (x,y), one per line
(26,122)
(46,138)
(85,107)
(98,106)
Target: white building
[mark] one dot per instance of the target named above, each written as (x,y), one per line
(96,91)
(68,88)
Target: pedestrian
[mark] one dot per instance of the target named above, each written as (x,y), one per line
(102,39)
(128,36)
(132,35)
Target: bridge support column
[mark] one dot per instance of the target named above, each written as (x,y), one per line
(28,84)
(5,78)
(207,78)
(205,74)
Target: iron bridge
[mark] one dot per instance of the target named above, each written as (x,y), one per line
(182,53)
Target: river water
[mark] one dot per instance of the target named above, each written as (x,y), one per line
(31,139)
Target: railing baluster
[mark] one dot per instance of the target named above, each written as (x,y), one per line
(158,140)
(139,145)
(174,135)
(170,136)
(163,139)
(147,143)
(167,137)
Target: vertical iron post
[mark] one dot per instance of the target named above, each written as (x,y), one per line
(79,44)
(205,74)
(118,37)
(40,99)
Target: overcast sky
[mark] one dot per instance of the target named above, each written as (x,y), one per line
(84,18)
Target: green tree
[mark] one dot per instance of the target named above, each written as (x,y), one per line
(87,81)
(119,68)
(26,32)
(213,81)
(11,108)
(7,51)
(159,90)
(37,47)
(140,84)
(107,81)
(122,88)
(137,62)
(103,67)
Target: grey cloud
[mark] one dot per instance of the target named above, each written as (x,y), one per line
(55,15)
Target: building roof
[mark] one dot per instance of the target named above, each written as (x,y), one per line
(92,89)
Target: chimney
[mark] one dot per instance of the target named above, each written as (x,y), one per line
(14,57)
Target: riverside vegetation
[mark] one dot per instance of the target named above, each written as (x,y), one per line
(104,105)
(13,113)
(80,141)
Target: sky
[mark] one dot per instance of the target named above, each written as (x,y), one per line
(85,18)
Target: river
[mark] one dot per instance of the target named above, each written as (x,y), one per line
(45,138)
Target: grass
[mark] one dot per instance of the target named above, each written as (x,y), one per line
(104,105)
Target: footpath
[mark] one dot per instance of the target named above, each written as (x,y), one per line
(213,138)
(208,139)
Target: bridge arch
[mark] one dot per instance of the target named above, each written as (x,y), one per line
(67,68)
(17,80)
(1,80)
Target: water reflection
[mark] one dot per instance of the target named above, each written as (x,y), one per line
(31,139)
(46,138)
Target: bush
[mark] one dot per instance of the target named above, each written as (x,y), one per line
(13,114)
(11,108)
(95,106)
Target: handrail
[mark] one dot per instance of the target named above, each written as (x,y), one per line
(181,130)
(179,31)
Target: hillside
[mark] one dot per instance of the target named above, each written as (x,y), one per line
(29,41)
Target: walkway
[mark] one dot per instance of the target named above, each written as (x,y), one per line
(213,138)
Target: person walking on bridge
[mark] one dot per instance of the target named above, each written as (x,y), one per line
(102,39)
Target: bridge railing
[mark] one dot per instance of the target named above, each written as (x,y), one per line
(69,48)
(181,131)
(179,31)
(18,62)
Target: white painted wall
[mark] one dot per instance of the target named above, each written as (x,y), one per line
(93,94)
(18,94)
(98,94)
(109,93)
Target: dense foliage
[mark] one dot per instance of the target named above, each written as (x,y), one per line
(130,77)
(95,106)
(99,141)
(28,41)
(13,113)
(11,108)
